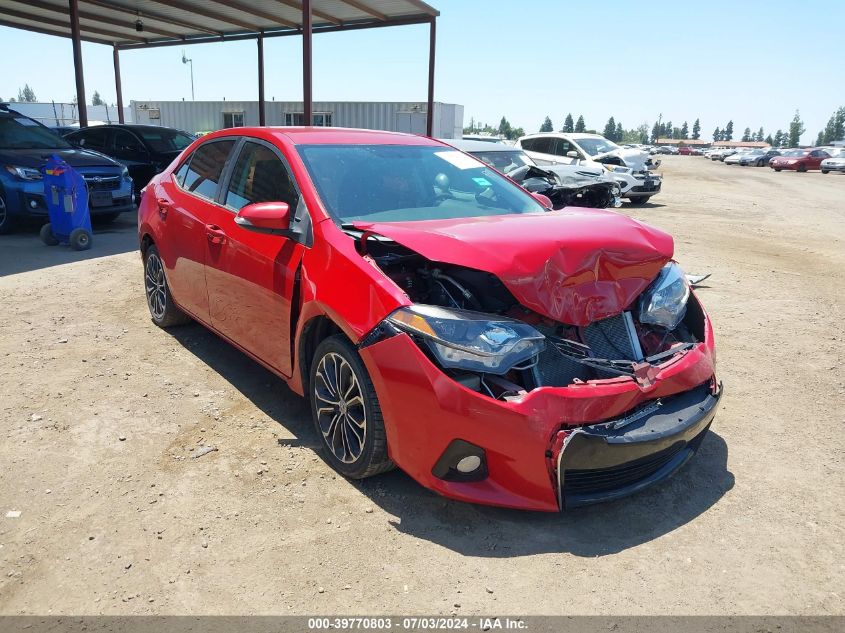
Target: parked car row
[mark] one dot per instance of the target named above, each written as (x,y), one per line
(825,159)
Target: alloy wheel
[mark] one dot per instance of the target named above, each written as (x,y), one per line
(156,286)
(2,211)
(340,408)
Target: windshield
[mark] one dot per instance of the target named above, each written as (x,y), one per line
(594,146)
(18,132)
(505,162)
(400,183)
(796,152)
(165,140)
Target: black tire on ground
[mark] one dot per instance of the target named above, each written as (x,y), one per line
(346,411)
(802,168)
(47,236)
(163,311)
(80,239)
(7,220)
(104,218)
(776,169)
(825,171)
(634,202)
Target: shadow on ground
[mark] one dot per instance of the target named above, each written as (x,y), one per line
(23,250)
(478,530)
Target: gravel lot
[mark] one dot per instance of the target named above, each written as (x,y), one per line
(102,415)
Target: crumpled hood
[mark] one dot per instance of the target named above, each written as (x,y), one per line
(575,265)
(633,158)
(579,174)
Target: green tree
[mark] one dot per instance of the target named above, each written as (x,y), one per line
(696,130)
(655,132)
(685,131)
(609,129)
(547,126)
(642,133)
(505,129)
(670,132)
(717,135)
(827,135)
(760,134)
(26,94)
(517,132)
(839,125)
(568,124)
(580,126)
(728,134)
(620,133)
(770,141)
(820,139)
(746,136)
(796,129)
(97,99)
(778,140)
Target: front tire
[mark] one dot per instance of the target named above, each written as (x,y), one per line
(825,171)
(346,411)
(635,202)
(7,220)
(802,168)
(163,311)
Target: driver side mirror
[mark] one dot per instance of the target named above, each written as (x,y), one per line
(572,153)
(265,217)
(543,200)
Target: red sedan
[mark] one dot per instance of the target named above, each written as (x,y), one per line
(799,159)
(438,317)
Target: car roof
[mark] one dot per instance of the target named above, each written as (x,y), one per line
(327,136)
(572,135)
(479,146)
(131,126)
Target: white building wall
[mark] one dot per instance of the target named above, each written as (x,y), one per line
(53,114)
(204,116)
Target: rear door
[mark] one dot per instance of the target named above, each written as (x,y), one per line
(186,204)
(251,276)
(131,152)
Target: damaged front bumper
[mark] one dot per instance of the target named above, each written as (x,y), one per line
(527,441)
(615,459)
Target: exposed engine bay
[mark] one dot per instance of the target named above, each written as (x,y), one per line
(588,191)
(612,347)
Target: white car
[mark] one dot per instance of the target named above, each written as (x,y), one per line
(630,168)
(836,162)
(734,158)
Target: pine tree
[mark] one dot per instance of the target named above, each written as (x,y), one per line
(728,134)
(778,140)
(580,126)
(770,141)
(610,129)
(505,129)
(568,124)
(820,139)
(655,133)
(796,129)
(669,130)
(547,126)
(717,135)
(696,130)
(839,125)
(760,134)
(96,100)
(746,136)
(685,131)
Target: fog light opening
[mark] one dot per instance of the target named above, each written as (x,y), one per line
(461,462)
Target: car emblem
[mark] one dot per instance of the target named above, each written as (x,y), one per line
(97,179)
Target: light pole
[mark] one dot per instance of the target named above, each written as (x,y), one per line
(185,60)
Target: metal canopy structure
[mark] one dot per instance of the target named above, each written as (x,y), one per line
(134,24)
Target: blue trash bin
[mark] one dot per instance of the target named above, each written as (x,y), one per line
(67,204)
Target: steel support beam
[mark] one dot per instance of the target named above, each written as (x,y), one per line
(118,86)
(307,69)
(77,62)
(262,119)
(432,45)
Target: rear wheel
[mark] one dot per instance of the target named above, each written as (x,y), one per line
(7,221)
(777,168)
(802,168)
(163,311)
(825,171)
(346,411)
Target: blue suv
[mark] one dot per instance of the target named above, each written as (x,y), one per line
(25,146)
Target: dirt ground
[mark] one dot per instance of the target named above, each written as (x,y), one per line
(101,414)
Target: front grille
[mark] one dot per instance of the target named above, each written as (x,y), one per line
(102,183)
(646,188)
(582,482)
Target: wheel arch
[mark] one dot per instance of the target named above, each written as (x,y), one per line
(314,331)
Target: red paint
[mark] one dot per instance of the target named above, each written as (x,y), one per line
(573,265)
(811,159)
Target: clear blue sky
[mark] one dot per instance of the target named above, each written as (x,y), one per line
(752,61)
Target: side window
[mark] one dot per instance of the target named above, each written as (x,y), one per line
(127,145)
(179,174)
(528,144)
(93,138)
(561,147)
(259,176)
(233,119)
(207,164)
(543,145)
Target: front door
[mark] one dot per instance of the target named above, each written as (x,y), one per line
(251,276)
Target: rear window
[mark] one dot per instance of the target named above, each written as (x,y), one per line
(203,173)
(164,139)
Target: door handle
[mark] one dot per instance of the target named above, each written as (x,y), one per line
(164,206)
(215,234)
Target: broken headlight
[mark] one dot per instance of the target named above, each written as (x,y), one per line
(664,302)
(473,341)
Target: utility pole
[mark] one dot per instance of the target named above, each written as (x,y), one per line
(185,60)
